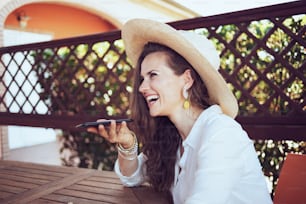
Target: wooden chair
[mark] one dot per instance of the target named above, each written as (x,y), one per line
(291,186)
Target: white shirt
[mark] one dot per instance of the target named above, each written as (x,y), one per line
(219,165)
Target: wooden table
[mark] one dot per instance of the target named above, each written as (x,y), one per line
(22,182)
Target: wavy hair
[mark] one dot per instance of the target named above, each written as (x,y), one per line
(158,135)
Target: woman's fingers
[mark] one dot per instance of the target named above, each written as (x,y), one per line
(103,132)
(123,130)
(92,130)
(114,133)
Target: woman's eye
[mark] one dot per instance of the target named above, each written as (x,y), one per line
(152,74)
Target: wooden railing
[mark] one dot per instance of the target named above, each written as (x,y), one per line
(63,82)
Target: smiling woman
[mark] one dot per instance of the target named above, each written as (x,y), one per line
(183,115)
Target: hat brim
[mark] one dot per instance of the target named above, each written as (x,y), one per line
(138,32)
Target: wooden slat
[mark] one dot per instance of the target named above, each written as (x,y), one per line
(39,172)
(29,175)
(4,194)
(114,186)
(11,189)
(23,179)
(99,190)
(44,201)
(98,197)
(69,199)
(17,183)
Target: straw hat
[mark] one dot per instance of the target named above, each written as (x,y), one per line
(195,48)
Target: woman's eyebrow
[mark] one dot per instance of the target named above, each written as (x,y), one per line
(147,73)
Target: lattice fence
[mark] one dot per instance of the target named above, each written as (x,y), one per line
(60,83)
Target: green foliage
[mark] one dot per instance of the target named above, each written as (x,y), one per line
(83,80)
(245,39)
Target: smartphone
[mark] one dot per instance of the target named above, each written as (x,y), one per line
(105,123)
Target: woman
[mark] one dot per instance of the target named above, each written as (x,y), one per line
(183,114)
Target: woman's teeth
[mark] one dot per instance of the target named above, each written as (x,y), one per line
(152,98)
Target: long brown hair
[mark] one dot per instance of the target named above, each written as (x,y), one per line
(160,138)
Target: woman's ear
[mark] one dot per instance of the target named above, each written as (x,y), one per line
(188,79)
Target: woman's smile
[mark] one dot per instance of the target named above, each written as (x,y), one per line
(151,100)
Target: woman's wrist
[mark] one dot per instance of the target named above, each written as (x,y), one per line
(130,152)
(130,143)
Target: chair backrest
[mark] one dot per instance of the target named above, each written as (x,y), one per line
(291,185)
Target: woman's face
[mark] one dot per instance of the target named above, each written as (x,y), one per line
(160,87)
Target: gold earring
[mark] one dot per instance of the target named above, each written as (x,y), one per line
(186,104)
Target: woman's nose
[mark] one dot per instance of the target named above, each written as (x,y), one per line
(143,87)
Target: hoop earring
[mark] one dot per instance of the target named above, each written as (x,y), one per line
(186,104)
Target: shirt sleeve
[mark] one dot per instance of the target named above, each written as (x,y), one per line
(221,167)
(138,177)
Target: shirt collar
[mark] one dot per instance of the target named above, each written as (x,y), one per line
(193,137)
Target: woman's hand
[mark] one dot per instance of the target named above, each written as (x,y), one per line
(115,133)
(119,133)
